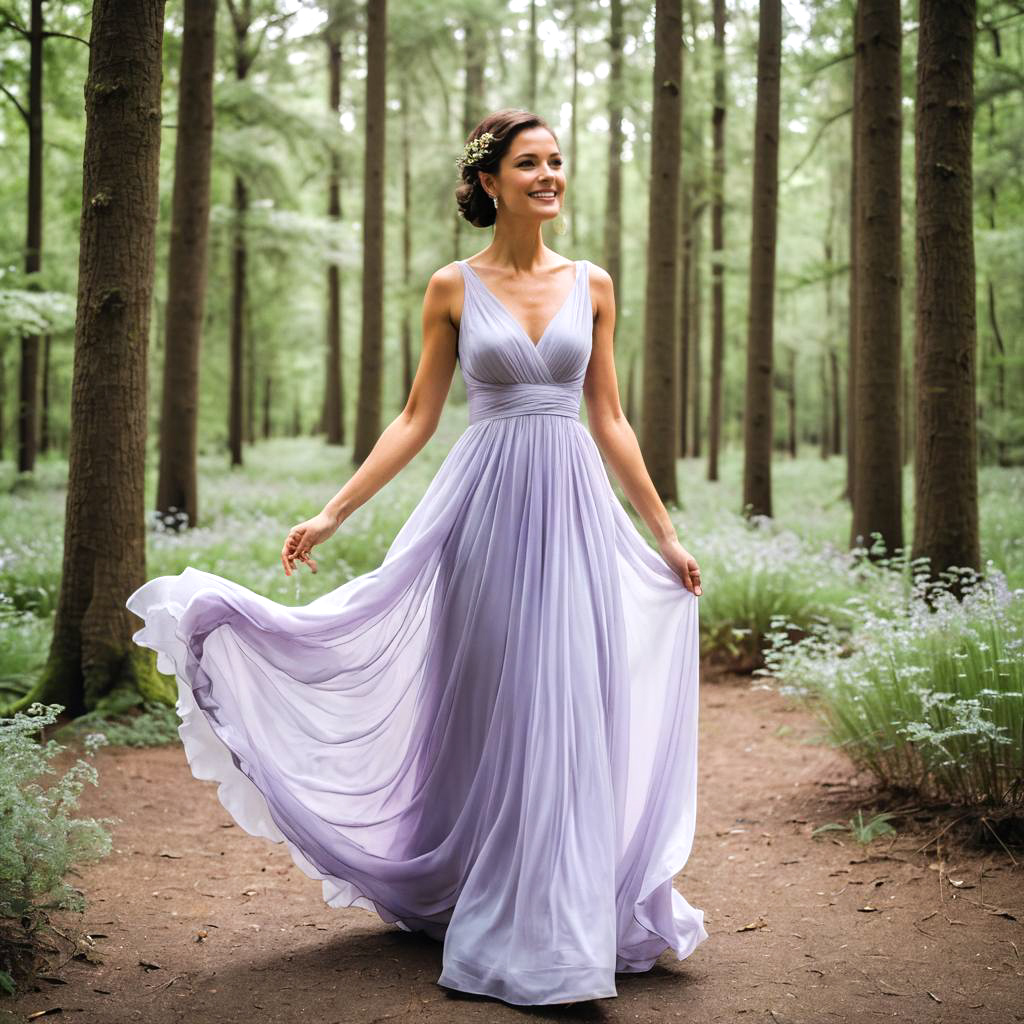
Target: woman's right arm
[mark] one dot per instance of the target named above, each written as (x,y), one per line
(406,434)
(416,423)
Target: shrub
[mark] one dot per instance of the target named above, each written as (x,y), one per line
(927,692)
(40,840)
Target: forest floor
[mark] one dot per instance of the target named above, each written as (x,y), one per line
(192,919)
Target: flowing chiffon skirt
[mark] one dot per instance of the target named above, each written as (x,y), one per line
(492,737)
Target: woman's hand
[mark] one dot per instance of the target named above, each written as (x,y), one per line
(303,538)
(683,563)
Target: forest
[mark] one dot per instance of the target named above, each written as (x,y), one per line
(218,224)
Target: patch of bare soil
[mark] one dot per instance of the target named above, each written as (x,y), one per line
(194,920)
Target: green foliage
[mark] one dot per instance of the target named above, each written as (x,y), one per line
(41,841)
(926,692)
(29,312)
(129,721)
(865,832)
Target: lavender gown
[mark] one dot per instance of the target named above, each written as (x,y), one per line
(492,737)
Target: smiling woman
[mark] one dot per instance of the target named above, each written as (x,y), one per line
(491,738)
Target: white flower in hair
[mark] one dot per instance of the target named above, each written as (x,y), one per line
(476,149)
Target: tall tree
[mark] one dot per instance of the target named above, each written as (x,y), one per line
(945,456)
(613,179)
(717,242)
(92,655)
(685,301)
(473,98)
(407,215)
(877,492)
(334,420)
(855,269)
(31,112)
(757,420)
(531,67)
(661,396)
(177,482)
(372,341)
(574,127)
(242,17)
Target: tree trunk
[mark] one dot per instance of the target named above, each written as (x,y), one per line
(472,101)
(334,419)
(837,416)
(877,492)
(945,462)
(92,655)
(574,128)
(613,195)
(45,428)
(371,342)
(855,270)
(696,312)
(267,388)
(28,380)
(717,243)
(244,54)
(757,420)
(685,320)
(791,403)
(407,215)
(998,345)
(177,483)
(531,85)
(661,394)
(824,439)
(238,282)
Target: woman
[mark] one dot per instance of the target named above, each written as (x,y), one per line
(491,738)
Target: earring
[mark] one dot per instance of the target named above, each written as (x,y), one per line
(560,225)
(495,198)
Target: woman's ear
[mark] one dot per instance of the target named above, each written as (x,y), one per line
(488,183)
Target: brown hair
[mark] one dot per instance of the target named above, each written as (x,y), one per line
(474,203)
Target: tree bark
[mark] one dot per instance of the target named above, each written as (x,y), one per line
(696,314)
(268,383)
(877,492)
(334,419)
(45,427)
(472,102)
(239,257)
(757,421)
(852,331)
(717,242)
(685,298)
(407,358)
(661,395)
(371,342)
(613,194)
(28,379)
(244,53)
(92,655)
(177,482)
(945,457)
(574,127)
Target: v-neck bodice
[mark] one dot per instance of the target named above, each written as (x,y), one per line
(504,308)
(505,371)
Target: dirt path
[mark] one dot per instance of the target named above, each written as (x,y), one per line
(194,920)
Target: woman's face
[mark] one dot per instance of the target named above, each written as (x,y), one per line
(531,165)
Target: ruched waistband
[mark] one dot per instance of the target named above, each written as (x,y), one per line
(489,402)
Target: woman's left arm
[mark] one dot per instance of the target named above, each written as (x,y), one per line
(616,439)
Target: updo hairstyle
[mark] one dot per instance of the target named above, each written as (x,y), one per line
(475,205)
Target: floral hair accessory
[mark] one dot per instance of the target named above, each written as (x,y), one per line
(475,150)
